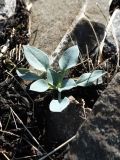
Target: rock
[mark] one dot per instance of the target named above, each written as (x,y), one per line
(99,138)
(114,4)
(112,36)
(7,8)
(62,126)
(91,28)
(116,26)
(88,34)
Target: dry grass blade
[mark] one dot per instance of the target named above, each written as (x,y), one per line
(10,133)
(98,5)
(7,123)
(29,133)
(5,156)
(35,148)
(56,149)
(107,30)
(27,130)
(9,74)
(62,145)
(14,121)
(27,157)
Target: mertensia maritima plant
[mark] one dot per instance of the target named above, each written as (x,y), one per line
(55,79)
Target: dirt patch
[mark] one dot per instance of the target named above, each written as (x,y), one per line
(51,19)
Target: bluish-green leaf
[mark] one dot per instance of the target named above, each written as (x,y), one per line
(53,77)
(69,58)
(25,74)
(56,106)
(87,79)
(40,85)
(67,85)
(36,58)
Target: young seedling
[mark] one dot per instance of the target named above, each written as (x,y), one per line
(51,79)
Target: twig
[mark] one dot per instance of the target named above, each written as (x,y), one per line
(88,57)
(36,32)
(62,145)
(7,123)
(26,157)
(5,156)
(81,58)
(24,91)
(35,148)
(102,43)
(56,149)
(26,128)
(23,128)
(16,52)
(102,12)
(72,40)
(19,52)
(95,34)
(87,17)
(29,132)
(81,63)
(0,126)
(91,63)
(14,121)
(10,133)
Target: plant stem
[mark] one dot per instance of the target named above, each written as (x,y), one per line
(59,97)
(62,76)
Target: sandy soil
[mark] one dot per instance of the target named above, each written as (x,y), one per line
(51,19)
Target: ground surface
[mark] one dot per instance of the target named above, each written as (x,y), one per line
(52,18)
(24,114)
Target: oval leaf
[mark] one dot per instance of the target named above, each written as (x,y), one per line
(67,85)
(88,78)
(69,58)
(40,85)
(36,58)
(53,77)
(25,74)
(56,106)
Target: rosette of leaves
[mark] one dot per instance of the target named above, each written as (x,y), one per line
(55,79)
